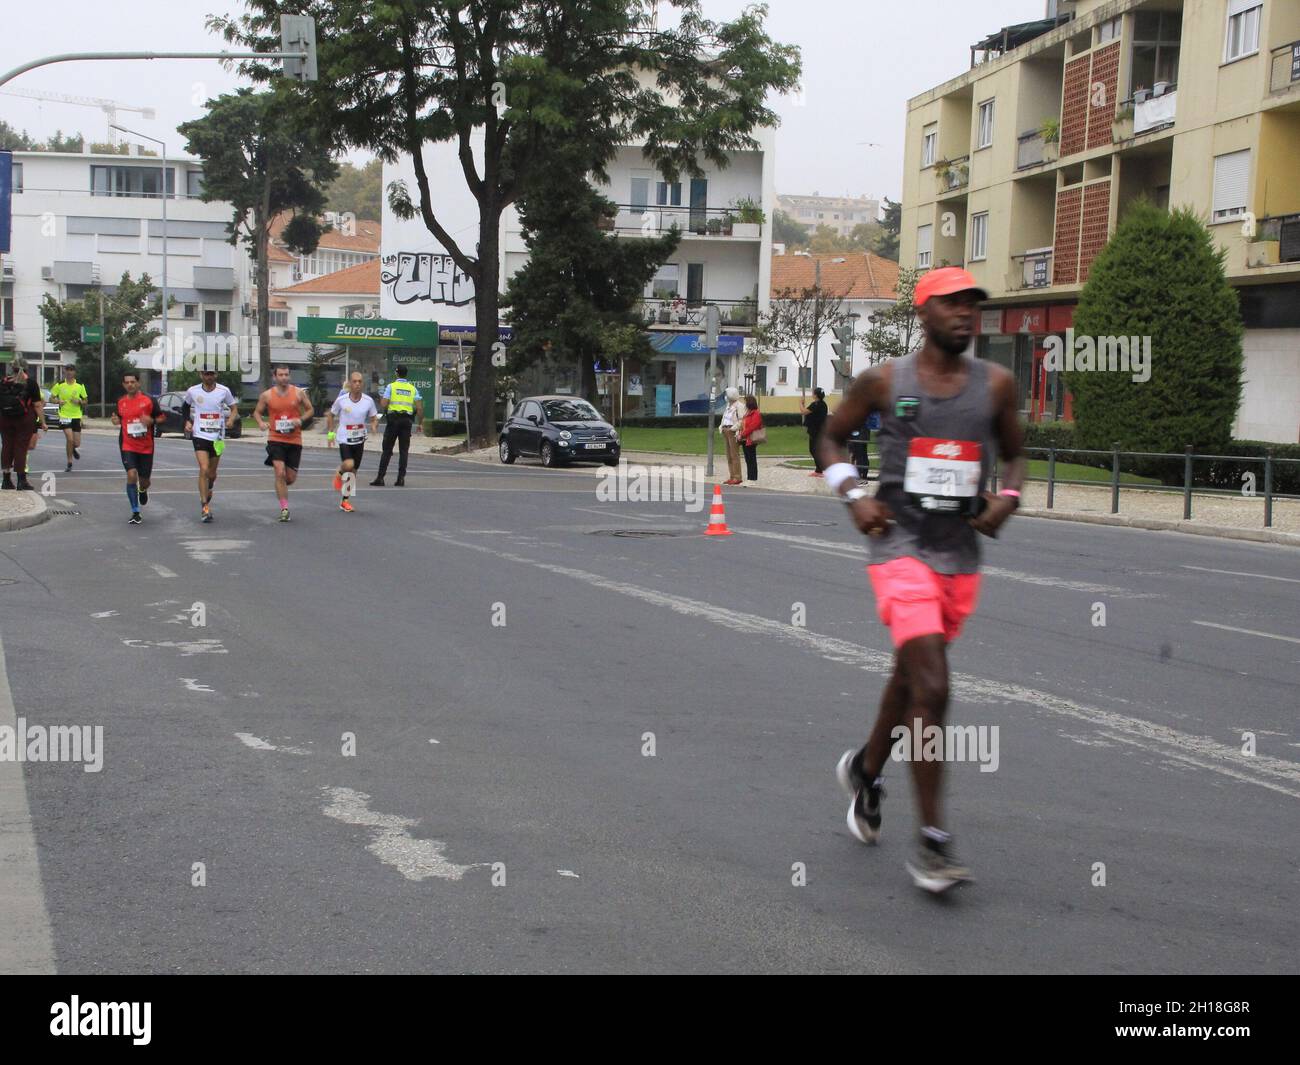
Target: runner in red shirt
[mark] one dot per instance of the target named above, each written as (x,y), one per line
(281,410)
(135,414)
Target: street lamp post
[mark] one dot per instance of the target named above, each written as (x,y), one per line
(166,337)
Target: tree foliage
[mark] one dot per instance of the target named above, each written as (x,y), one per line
(1160,276)
(785,230)
(796,320)
(520,78)
(895,331)
(127,314)
(358,190)
(891,223)
(261,155)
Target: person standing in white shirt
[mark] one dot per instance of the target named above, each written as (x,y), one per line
(355,414)
(209,410)
(732,416)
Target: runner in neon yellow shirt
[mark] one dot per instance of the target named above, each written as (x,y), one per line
(70,395)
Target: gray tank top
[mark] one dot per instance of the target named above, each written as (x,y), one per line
(930,525)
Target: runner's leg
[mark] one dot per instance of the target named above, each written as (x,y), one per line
(924,661)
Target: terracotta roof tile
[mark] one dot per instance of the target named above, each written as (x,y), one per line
(861,276)
(361,279)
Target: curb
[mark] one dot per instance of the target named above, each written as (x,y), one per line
(1224,532)
(39,516)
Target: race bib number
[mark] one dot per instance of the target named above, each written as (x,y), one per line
(136,429)
(284,425)
(354,434)
(209,420)
(942,474)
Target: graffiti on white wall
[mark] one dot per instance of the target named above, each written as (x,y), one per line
(432,276)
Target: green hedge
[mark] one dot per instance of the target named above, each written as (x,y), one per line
(1225,474)
(438,427)
(701,421)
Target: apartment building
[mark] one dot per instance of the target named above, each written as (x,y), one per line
(1021,168)
(840,213)
(724,259)
(81,220)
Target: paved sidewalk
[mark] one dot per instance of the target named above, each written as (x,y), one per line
(21,510)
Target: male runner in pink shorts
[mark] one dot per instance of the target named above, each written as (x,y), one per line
(943,414)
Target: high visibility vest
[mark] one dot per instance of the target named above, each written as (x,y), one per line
(401,397)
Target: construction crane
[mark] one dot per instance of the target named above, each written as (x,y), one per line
(109,107)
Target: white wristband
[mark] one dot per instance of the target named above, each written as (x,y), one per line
(839,473)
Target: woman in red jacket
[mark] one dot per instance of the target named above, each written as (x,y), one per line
(751,434)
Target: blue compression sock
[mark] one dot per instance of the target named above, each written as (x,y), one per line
(133,494)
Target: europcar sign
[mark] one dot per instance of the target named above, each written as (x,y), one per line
(368,332)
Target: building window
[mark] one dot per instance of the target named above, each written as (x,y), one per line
(194,183)
(640,195)
(1109,31)
(130,181)
(216,321)
(924,246)
(986,125)
(7,313)
(313,312)
(18,177)
(782,375)
(278,319)
(668,194)
(929,145)
(189,310)
(1243,29)
(664,285)
(979,238)
(1157,37)
(1231,185)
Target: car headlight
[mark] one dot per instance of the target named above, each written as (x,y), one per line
(613,434)
(565,434)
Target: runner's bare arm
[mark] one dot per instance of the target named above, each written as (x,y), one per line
(305,409)
(329,421)
(259,412)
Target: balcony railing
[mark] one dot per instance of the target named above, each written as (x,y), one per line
(680,313)
(1032,269)
(1156,109)
(952,173)
(701,221)
(1285,231)
(1033,150)
(1284,69)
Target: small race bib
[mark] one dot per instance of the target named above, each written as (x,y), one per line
(942,475)
(284,425)
(136,429)
(354,433)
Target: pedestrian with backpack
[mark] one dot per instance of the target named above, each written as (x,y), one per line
(21,412)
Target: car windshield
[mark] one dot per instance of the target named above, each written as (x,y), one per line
(570,410)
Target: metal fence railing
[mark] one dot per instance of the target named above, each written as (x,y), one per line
(1251,487)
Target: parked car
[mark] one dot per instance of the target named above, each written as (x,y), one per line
(51,408)
(173,421)
(559,430)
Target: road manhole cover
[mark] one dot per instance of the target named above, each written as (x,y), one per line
(73,513)
(804,524)
(638,534)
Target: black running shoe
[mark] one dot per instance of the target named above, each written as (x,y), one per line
(399,482)
(934,869)
(67,468)
(378,482)
(144,497)
(135,518)
(864,810)
(76,454)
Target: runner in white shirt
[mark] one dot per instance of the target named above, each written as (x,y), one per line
(209,410)
(354,413)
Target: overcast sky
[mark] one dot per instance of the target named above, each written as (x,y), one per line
(862,60)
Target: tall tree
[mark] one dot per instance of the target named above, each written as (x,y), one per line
(358,190)
(13,140)
(520,77)
(126,316)
(785,230)
(261,155)
(895,330)
(892,222)
(796,321)
(581,282)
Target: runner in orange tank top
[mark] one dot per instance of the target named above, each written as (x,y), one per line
(281,410)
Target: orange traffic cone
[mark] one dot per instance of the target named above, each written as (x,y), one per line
(717,515)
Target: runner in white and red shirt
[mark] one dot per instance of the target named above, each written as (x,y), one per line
(354,413)
(135,415)
(210,409)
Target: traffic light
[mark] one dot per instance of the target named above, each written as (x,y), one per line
(298,34)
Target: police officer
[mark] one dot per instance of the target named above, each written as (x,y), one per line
(404,406)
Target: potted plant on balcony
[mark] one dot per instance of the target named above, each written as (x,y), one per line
(1050,131)
(728,223)
(664,313)
(744,313)
(714,226)
(1122,127)
(749,218)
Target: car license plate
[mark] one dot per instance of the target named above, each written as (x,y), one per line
(594,447)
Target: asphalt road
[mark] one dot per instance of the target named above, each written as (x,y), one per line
(417,737)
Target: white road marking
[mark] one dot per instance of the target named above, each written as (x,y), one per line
(1248,632)
(612,514)
(433,741)
(192,684)
(830,547)
(249,740)
(208,550)
(26,943)
(392,844)
(105,614)
(162,571)
(568,872)
(1273,773)
(186,647)
(1239,573)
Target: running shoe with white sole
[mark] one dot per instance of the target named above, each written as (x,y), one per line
(934,869)
(864,810)
(284,514)
(135,519)
(205,515)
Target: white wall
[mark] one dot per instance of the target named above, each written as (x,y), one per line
(825,372)
(1270,398)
